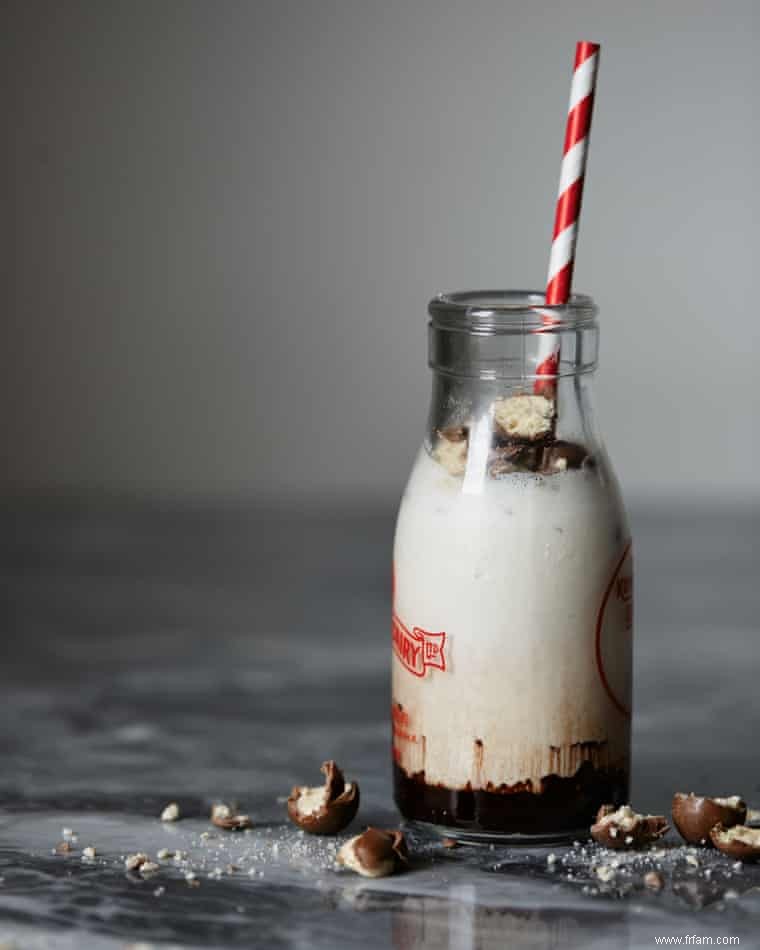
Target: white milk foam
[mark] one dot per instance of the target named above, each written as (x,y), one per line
(515,576)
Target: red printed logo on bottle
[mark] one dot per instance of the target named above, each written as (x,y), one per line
(614,627)
(418,650)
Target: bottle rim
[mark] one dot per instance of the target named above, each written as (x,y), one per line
(505,311)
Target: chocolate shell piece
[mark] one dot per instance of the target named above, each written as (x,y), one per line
(514,457)
(223,816)
(328,809)
(375,853)
(623,828)
(739,842)
(695,815)
(548,458)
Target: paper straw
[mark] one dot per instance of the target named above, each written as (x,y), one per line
(570,194)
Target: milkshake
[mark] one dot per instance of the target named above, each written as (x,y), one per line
(512,605)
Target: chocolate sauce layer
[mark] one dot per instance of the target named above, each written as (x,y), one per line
(559,805)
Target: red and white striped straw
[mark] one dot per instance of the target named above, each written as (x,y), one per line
(572,173)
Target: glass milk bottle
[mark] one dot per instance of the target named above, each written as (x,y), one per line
(512,584)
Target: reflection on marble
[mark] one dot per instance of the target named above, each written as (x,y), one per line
(156,655)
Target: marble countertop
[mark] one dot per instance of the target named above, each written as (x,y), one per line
(191,655)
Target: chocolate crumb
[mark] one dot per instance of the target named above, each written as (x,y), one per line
(223,816)
(453,433)
(654,881)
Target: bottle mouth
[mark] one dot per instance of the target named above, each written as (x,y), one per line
(510,311)
(507,334)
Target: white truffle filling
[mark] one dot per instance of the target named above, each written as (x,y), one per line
(312,800)
(525,417)
(171,812)
(742,834)
(733,801)
(452,455)
(625,818)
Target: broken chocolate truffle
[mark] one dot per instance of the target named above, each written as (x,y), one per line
(740,842)
(696,815)
(375,853)
(327,809)
(625,828)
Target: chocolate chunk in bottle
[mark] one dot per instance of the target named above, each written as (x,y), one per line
(558,456)
(511,457)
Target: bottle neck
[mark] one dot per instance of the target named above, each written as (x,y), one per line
(460,401)
(506,335)
(488,418)
(512,357)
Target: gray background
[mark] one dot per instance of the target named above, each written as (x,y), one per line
(221,223)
